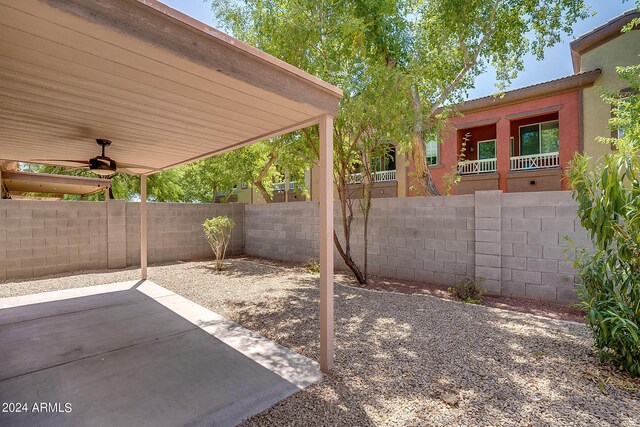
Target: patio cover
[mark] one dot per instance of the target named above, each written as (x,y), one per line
(16,183)
(165,88)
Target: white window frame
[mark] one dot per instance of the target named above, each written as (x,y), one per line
(495,147)
(435,141)
(539,136)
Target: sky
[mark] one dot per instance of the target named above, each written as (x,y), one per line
(557,61)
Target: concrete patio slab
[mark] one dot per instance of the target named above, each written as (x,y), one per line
(135,353)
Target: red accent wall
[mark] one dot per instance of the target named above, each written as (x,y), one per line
(569,126)
(481,133)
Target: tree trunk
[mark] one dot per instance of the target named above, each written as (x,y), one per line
(418,150)
(367,209)
(273,156)
(365,206)
(263,191)
(347,216)
(349,261)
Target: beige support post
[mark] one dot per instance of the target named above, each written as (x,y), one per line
(326,243)
(143,227)
(286,186)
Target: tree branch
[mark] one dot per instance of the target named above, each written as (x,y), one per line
(273,156)
(469,62)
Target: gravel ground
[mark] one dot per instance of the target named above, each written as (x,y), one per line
(403,360)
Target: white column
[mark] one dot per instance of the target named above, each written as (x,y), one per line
(143,227)
(326,243)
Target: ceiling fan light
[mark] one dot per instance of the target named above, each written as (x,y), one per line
(103,172)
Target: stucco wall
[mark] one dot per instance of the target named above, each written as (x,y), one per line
(621,51)
(512,242)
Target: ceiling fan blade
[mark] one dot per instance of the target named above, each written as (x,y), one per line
(58,161)
(132,166)
(133,170)
(71,170)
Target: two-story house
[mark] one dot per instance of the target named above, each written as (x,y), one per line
(524,139)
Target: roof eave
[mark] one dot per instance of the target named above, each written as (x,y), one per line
(600,35)
(541,90)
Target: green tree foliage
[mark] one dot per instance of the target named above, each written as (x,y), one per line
(609,208)
(218,233)
(398,62)
(454,41)
(332,41)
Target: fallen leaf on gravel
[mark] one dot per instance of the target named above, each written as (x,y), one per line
(450,398)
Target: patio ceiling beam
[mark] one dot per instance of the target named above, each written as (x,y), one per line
(262,137)
(53,183)
(98,183)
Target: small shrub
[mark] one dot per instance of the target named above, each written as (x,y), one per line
(313,266)
(468,292)
(218,233)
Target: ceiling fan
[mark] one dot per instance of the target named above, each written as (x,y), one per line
(100,165)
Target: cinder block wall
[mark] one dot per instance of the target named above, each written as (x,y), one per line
(512,242)
(175,231)
(427,239)
(282,231)
(537,259)
(417,238)
(46,237)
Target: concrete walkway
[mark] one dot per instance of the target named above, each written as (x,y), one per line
(135,354)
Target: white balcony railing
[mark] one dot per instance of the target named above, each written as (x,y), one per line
(384,176)
(280,186)
(535,161)
(381,176)
(477,166)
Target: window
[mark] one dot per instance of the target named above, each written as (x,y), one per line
(511,145)
(539,138)
(487,149)
(549,137)
(386,161)
(432,152)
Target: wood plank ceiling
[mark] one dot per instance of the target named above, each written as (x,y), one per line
(74,71)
